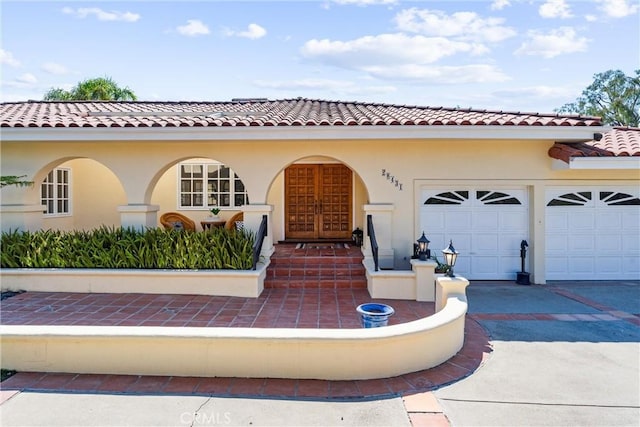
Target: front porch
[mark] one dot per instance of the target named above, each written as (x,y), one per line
(296,327)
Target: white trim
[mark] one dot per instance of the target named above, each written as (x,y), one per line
(555,133)
(605,162)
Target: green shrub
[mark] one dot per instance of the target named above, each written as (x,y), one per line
(107,247)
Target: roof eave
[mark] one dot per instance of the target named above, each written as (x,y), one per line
(556,133)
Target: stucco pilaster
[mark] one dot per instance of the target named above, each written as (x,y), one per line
(425,279)
(382,216)
(252,215)
(139,216)
(537,249)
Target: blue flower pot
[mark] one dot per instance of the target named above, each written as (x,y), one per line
(374,315)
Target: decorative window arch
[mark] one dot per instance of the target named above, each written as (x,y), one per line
(618,199)
(459,197)
(581,198)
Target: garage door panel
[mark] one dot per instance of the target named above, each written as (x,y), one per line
(510,243)
(608,264)
(607,242)
(581,264)
(514,220)
(582,221)
(557,243)
(631,220)
(433,220)
(510,264)
(602,233)
(581,243)
(608,220)
(486,265)
(485,243)
(486,221)
(631,266)
(459,220)
(631,243)
(557,265)
(557,221)
(486,227)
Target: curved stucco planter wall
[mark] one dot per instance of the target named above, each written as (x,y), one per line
(331,354)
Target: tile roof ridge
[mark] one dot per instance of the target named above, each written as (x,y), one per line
(303,99)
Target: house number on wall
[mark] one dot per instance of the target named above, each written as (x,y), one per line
(392,179)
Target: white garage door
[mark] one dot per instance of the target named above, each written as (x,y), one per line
(486,226)
(593,233)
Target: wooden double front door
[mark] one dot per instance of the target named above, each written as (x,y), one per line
(318,201)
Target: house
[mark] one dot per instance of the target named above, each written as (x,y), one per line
(486,180)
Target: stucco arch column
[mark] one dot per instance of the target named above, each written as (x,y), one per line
(382,216)
(252,217)
(139,217)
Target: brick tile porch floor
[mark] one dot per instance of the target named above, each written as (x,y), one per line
(311,308)
(275,308)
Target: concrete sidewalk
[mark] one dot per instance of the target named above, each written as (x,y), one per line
(562,355)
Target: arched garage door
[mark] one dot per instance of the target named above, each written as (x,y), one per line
(485,224)
(593,233)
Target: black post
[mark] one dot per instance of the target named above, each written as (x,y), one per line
(523,277)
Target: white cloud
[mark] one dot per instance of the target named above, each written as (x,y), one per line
(557,42)
(555,9)
(462,25)
(53,68)
(475,73)
(7,58)
(320,84)
(365,2)
(618,8)
(500,4)
(538,92)
(338,87)
(385,49)
(101,15)
(27,78)
(253,32)
(193,28)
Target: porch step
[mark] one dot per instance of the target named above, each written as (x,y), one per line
(316,267)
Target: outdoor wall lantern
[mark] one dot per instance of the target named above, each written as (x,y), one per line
(423,248)
(450,256)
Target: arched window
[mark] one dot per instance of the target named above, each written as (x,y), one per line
(209,185)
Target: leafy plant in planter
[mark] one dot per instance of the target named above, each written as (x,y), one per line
(128,248)
(440,267)
(214,212)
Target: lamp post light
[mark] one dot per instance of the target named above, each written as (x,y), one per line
(450,256)
(423,248)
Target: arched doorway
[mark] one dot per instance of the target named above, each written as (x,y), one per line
(318,201)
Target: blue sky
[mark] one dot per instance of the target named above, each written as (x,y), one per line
(512,55)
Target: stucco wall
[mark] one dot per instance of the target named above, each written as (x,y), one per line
(147,173)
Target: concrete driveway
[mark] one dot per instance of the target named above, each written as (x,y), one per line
(575,361)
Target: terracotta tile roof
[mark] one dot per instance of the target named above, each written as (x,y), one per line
(262,112)
(618,142)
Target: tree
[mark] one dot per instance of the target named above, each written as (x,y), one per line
(98,89)
(14,180)
(613,96)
